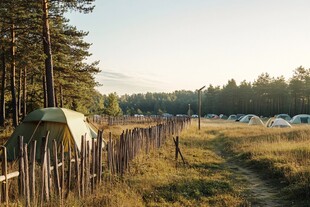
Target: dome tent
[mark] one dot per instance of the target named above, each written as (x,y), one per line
(270,121)
(246,118)
(232,117)
(65,126)
(283,116)
(281,123)
(255,120)
(301,119)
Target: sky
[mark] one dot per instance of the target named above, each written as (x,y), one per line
(167,45)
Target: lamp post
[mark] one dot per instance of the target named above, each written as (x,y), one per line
(199,105)
(189,110)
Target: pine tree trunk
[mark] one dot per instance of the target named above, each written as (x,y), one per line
(61,97)
(48,52)
(25,93)
(44,91)
(19,96)
(3,84)
(13,90)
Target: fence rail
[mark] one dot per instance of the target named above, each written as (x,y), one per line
(123,120)
(61,172)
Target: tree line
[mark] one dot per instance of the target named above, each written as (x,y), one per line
(265,96)
(43,57)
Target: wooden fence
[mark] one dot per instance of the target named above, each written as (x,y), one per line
(123,120)
(60,171)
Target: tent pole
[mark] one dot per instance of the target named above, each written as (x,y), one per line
(34,131)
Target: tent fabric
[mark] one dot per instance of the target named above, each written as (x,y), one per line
(65,126)
(301,119)
(255,120)
(232,117)
(283,116)
(270,122)
(279,122)
(246,118)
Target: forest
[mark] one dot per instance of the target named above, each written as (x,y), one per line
(265,96)
(43,59)
(43,63)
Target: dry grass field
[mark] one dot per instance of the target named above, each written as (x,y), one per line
(227,164)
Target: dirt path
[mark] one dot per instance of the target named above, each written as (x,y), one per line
(258,191)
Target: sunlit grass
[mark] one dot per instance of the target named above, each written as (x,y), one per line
(282,153)
(202,181)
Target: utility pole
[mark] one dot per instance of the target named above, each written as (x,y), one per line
(199,105)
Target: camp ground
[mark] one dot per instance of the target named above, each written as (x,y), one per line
(64,125)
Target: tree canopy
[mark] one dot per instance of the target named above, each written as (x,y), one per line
(24,79)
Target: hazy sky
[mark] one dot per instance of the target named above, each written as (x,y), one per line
(166,45)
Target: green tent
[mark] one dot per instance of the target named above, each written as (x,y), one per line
(64,125)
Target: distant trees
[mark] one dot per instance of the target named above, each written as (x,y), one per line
(266,96)
(112,108)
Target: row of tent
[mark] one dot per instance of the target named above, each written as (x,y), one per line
(280,120)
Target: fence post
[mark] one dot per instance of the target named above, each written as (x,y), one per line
(176,148)
(82,166)
(62,149)
(77,171)
(44,168)
(26,175)
(88,161)
(32,169)
(56,173)
(5,172)
(69,168)
(93,171)
(21,166)
(100,156)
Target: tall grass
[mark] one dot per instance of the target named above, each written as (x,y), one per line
(281,153)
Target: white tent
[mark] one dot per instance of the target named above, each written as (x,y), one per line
(279,122)
(270,121)
(255,120)
(232,117)
(301,119)
(283,116)
(246,118)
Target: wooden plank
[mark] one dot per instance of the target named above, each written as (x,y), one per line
(62,165)
(100,157)
(32,169)
(69,169)
(77,171)
(48,176)
(56,173)
(83,166)
(5,171)
(27,193)
(9,176)
(44,168)
(88,168)
(21,166)
(93,169)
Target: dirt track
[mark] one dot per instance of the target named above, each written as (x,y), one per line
(259,192)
